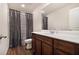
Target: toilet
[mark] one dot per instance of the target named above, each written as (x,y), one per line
(28,43)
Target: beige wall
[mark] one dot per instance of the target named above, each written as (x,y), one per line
(59,19)
(4,28)
(37,17)
(37,20)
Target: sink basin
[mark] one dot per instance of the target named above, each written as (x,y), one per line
(50,32)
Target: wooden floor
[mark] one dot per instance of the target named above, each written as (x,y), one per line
(19,51)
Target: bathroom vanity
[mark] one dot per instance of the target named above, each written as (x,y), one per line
(56,44)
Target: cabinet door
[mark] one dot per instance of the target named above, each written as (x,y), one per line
(59,52)
(46,49)
(38,47)
(64,46)
(33,45)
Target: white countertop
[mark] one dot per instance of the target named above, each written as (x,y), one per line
(66,36)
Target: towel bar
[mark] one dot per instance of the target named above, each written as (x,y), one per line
(2,37)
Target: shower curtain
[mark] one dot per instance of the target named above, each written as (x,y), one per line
(44,22)
(15,30)
(23,27)
(29,25)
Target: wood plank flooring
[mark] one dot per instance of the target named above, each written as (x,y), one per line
(19,51)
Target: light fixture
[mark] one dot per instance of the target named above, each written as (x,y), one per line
(23,5)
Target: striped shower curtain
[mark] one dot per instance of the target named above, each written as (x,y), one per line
(15,30)
(29,25)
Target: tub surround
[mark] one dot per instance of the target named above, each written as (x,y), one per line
(55,43)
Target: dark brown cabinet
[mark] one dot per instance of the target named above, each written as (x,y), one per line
(66,47)
(59,52)
(38,47)
(43,45)
(46,49)
(33,45)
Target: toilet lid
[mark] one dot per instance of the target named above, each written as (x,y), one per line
(28,40)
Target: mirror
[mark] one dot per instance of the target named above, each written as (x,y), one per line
(74,18)
(63,16)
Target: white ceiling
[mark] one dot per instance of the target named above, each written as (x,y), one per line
(29,7)
(54,6)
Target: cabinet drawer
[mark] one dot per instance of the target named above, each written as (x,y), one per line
(36,36)
(64,46)
(47,40)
